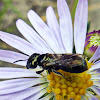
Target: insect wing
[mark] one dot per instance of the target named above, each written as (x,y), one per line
(73,63)
(59,59)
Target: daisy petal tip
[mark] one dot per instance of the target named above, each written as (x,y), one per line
(18,20)
(30,13)
(50,7)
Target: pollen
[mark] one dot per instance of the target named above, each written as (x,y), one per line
(58,97)
(77,97)
(63,86)
(52,82)
(72,95)
(64,91)
(71,86)
(49,89)
(49,76)
(57,90)
(58,85)
(57,78)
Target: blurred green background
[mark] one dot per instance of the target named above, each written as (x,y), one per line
(11,10)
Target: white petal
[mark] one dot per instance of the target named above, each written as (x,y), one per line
(93,77)
(11,56)
(47,97)
(44,31)
(20,95)
(96,81)
(65,25)
(91,96)
(80,25)
(54,27)
(6,73)
(37,95)
(96,90)
(96,55)
(15,85)
(84,97)
(33,37)
(96,66)
(18,43)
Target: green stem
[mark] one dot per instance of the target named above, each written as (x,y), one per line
(74,9)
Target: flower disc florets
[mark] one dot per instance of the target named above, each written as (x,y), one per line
(71,86)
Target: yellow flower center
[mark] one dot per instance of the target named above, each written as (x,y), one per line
(73,86)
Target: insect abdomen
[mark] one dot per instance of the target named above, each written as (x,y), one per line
(75,68)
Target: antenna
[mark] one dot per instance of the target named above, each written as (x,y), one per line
(19,60)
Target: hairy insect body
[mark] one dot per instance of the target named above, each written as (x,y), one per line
(73,63)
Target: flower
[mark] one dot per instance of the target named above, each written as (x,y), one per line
(92,42)
(25,84)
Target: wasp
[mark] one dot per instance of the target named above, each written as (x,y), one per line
(73,63)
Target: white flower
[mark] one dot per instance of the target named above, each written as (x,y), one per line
(25,84)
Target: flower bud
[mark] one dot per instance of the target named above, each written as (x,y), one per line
(92,42)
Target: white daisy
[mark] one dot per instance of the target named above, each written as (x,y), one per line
(25,84)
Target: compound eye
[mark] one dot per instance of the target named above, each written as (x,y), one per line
(30,65)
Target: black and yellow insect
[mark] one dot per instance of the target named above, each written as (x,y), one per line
(73,63)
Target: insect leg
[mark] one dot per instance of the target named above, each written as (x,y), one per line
(39,72)
(58,73)
(49,70)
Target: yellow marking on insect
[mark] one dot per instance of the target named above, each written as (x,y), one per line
(34,60)
(45,58)
(48,58)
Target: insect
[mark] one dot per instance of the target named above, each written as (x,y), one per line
(73,63)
